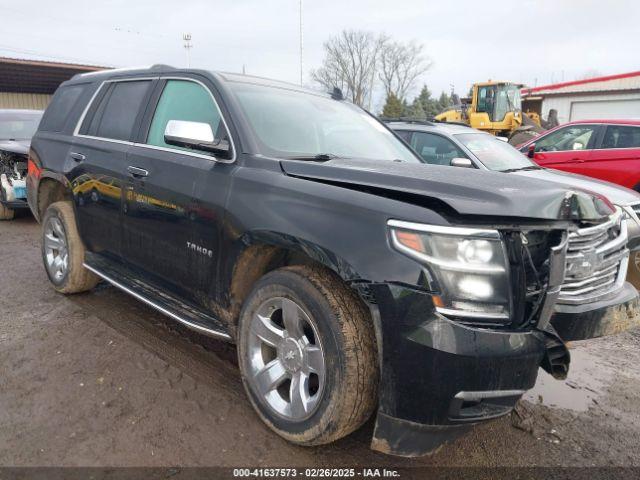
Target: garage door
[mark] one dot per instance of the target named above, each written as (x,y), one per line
(605,109)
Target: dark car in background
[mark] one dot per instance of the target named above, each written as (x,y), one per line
(354,277)
(604,149)
(16,129)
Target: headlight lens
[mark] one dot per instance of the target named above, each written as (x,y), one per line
(469,266)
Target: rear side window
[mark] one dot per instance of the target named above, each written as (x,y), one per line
(436,149)
(619,136)
(115,115)
(61,105)
(184,100)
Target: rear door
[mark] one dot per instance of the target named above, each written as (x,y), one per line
(617,157)
(175,197)
(567,148)
(99,151)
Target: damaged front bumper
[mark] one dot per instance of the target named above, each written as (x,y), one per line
(439,377)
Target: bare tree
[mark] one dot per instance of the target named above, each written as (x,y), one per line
(350,64)
(401,64)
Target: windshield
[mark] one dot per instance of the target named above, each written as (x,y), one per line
(493,153)
(18,125)
(289,123)
(508,100)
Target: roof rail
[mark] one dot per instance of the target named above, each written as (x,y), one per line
(406,120)
(161,66)
(462,124)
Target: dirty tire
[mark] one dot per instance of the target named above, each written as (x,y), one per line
(346,333)
(6,213)
(633,274)
(77,279)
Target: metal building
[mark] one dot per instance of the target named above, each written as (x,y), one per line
(30,83)
(609,97)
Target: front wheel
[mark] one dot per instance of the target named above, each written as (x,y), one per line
(63,251)
(307,355)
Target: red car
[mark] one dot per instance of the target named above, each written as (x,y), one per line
(604,149)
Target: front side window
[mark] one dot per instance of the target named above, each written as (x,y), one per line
(435,149)
(621,136)
(290,123)
(115,115)
(493,153)
(187,101)
(574,137)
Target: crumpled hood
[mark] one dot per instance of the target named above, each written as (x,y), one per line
(15,146)
(468,191)
(618,195)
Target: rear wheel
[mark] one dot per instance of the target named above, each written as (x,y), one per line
(307,355)
(63,251)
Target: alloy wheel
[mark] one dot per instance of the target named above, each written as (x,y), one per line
(287,364)
(55,248)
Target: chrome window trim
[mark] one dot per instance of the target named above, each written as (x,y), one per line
(146,145)
(76,131)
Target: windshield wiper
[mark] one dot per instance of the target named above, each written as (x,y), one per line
(320,157)
(521,169)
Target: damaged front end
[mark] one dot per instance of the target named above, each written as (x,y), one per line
(450,361)
(13,172)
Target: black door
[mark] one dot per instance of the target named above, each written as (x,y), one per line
(170,233)
(99,153)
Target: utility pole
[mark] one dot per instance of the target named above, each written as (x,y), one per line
(301,46)
(187,46)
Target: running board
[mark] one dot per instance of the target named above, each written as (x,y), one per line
(184,313)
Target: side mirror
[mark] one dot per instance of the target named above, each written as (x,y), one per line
(195,135)
(531,151)
(461,162)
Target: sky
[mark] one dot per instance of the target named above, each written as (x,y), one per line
(527,41)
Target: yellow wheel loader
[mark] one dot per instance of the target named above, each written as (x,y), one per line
(494,107)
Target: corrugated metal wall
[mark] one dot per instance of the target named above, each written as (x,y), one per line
(29,101)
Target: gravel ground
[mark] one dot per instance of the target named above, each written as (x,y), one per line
(99,379)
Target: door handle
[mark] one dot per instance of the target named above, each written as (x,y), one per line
(137,172)
(78,157)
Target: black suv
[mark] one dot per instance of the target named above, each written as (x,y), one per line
(352,276)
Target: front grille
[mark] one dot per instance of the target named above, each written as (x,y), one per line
(597,260)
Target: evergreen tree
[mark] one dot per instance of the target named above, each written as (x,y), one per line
(393,107)
(416,112)
(427,103)
(444,102)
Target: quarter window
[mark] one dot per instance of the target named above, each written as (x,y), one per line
(619,136)
(435,149)
(115,115)
(61,105)
(574,137)
(187,101)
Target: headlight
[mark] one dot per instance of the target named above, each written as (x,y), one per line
(469,267)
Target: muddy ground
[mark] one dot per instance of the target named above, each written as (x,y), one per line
(100,379)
